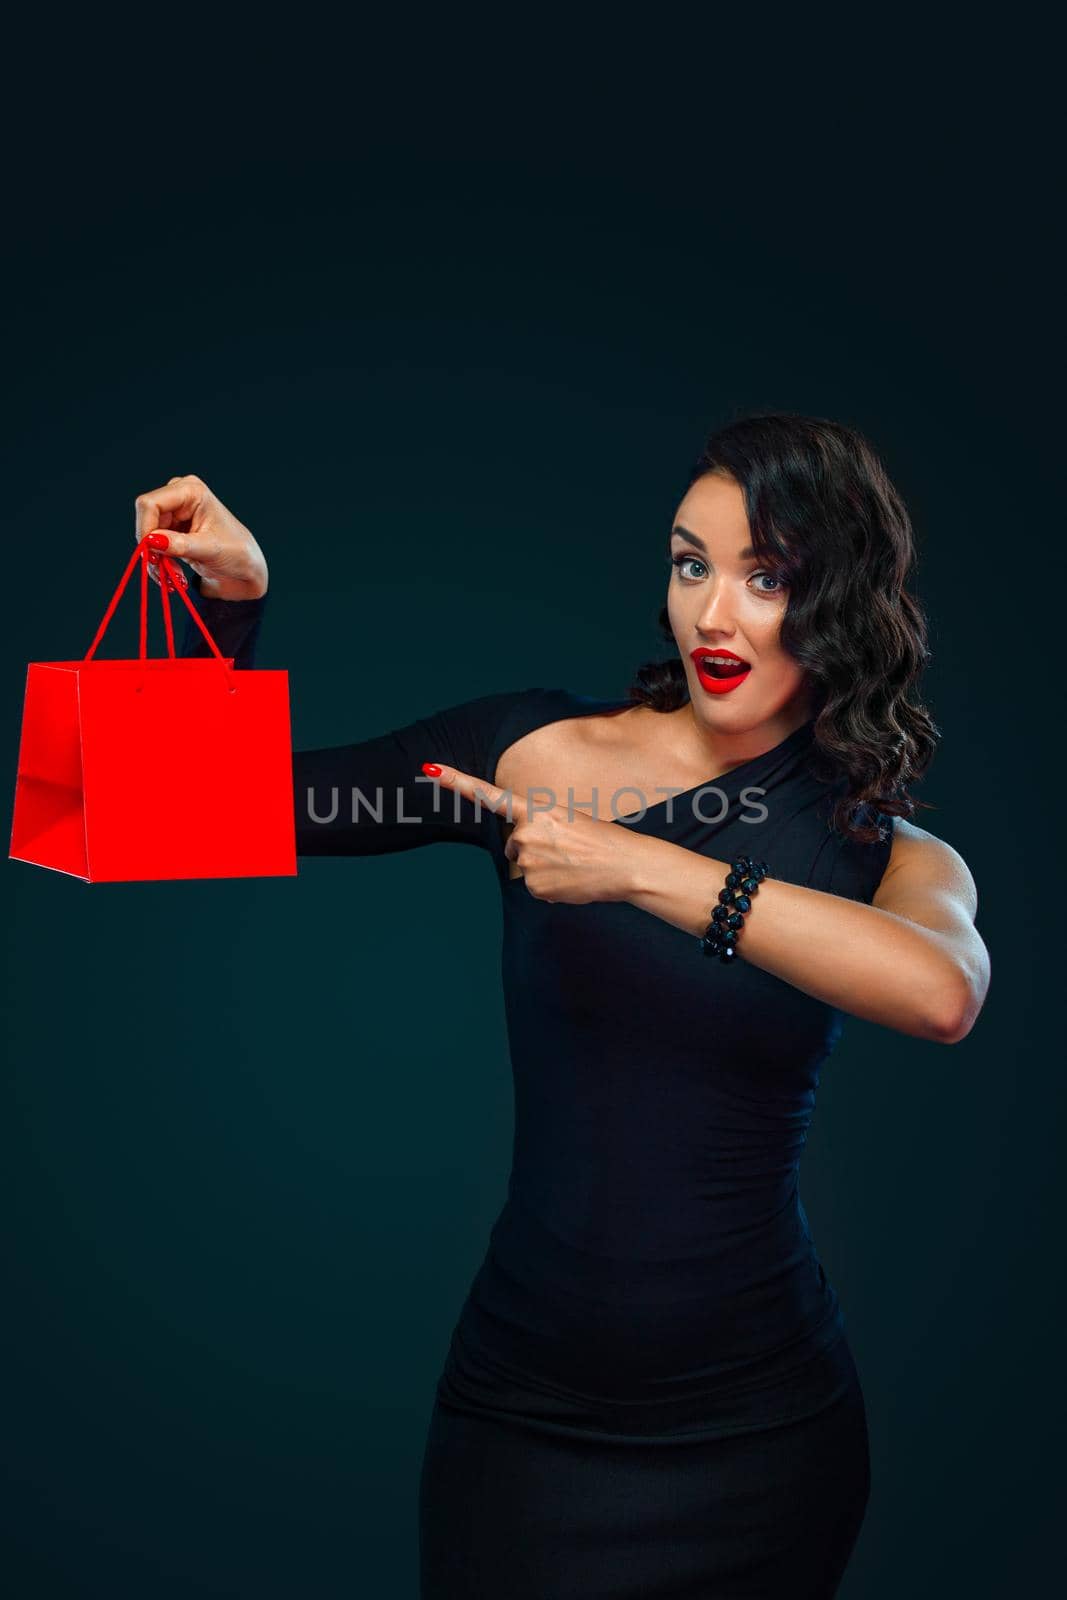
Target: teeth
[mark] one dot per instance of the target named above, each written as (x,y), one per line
(723,661)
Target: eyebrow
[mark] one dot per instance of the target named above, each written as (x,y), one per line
(683,533)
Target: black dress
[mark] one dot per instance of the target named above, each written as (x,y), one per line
(649,1392)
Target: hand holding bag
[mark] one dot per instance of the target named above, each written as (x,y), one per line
(155,768)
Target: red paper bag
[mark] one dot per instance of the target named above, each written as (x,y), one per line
(170,767)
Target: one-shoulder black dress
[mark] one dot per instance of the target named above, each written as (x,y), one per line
(649,1394)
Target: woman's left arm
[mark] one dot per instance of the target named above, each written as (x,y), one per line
(912,960)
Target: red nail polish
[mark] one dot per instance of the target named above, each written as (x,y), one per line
(431,769)
(158,541)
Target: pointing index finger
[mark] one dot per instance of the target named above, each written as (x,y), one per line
(502,801)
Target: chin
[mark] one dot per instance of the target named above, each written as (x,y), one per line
(738,712)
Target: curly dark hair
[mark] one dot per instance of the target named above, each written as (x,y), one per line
(825,517)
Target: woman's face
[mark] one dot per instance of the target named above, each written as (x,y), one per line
(720,597)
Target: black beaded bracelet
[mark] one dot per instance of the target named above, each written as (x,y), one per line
(742,881)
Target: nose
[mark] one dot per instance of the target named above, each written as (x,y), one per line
(716,616)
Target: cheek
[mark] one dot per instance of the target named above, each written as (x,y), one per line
(766,631)
(786,674)
(766,636)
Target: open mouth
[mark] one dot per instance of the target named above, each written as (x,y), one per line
(722,667)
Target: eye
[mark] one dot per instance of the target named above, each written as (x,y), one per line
(680,561)
(683,561)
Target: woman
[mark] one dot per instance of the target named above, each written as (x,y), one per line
(649,1391)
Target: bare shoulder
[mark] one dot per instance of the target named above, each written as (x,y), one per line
(918,856)
(594,754)
(564,739)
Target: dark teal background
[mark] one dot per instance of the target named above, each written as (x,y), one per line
(443,317)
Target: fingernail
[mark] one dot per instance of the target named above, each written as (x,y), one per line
(431,769)
(158,541)
(153,561)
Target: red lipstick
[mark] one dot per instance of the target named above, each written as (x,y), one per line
(719,679)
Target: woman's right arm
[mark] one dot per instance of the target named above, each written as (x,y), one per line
(364,798)
(369,797)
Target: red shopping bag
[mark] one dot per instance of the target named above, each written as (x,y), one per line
(170,767)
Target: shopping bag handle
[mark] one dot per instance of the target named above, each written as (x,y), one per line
(170,578)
